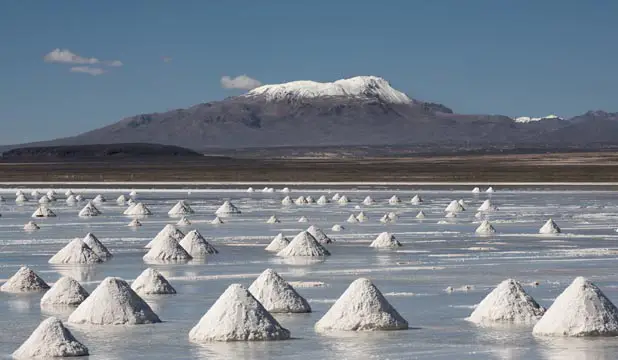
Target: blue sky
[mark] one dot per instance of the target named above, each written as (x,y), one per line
(512,57)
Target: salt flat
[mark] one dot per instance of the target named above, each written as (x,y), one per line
(413,278)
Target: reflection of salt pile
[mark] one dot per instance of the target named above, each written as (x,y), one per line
(181,208)
(487,206)
(151,282)
(276,295)
(287,201)
(485,228)
(385,240)
(394,200)
(322,200)
(31,226)
(50,340)
(336,197)
(416,200)
(24,280)
(278,243)
(99,199)
(581,310)
(454,207)
(550,227)
(337,227)
(89,210)
(343,200)
(121,200)
(227,209)
(420,215)
(183,222)
(167,249)
(113,302)
(216,221)
(138,209)
(319,235)
(304,244)
(300,200)
(273,220)
(303,219)
(65,291)
(508,302)
(368,201)
(43,211)
(195,244)
(361,307)
(361,217)
(134,223)
(97,246)
(75,252)
(476,190)
(21,198)
(237,316)
(168,231)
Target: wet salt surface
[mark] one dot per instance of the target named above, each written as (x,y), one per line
(433,257)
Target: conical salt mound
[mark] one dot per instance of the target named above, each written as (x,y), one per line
(21,198)
(487,206)
(319,235)
(24,280)
(50,340)
(195,244)
(454,207)
(75,252)
(303,219)
(352,219)
(287,201)
(450,215)
(420,215)
(416,200)
(19,192)
(216,221)
(89,210)
(97,246)
(65,291)
(462,202)
(181,208)
(476,190)
(361,217)
(485,228)
(385,240)
(43,211)
(227,209)
(304,244)
(336,197)
(151,282)
(337,227)
(79,198)
(35,194)
(237,316)
(394,200)
(478,215)
(361,307)
(309,200)
(508,302)
(71,200)
(134,223)
(168,231)
(278,243)
(273,220)
(167,249)
(550,227)
(391,215)
(276,295)
(322,200)
(121,199)
(343,200)
(52,193)
(368,201)
(250,190)
(183,222)
(113,302)
(285,190)
(31,226)
(99,199)
(581,310)
(300,200)
(489,190)
(385,219)
(138,209)
(44,199)
(69,193)
(133,194)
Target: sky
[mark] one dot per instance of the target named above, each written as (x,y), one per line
(71,66)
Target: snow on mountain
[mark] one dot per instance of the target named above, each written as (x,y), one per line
(359,86)
(527,119)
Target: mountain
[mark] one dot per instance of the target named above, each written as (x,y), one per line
(98,151)
(360,111)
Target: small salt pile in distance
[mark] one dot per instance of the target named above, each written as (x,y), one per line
(278,243)
(24,280)
(75,252)
(196,245)
(485,228)
(180,209)
(319,234)
(151,282)
(276,295)
(65,292)
(385,240)
(304,244)
(549,228)
(97,246)
(227,209)
(168,230)
(167,249)
(416,200)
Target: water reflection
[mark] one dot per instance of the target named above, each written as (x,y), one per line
(80,273)
(578,348)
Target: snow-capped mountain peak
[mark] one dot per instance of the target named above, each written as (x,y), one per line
(527,119)
(359,86)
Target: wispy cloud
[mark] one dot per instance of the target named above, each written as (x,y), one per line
(66,56)
(243,82)
(115,63)
(94,71)
(167,59)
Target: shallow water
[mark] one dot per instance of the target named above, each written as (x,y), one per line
(414,278)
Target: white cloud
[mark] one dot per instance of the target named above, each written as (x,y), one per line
(115,63)
(167,59)
(94,71)
(243,82)
(67,57)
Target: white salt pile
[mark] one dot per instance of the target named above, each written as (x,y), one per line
(489,190)
(51,339)
(476,190)
(69,193)
(113,302)
(278,243)
(250,190)
(550,227)
(352,219)
(485,228)
(361,217)
(319,235)
(273,220)
(393,216)
(462,202)
(181,208)
(75,252)
(394,200)
(133,194)
(21,198)
(121,200)
(309,200)
(385,219)
(487,206)
(79,198)
(581,310)
(24,280)
(343,200)
(508,302)
(52,194)
(183,222)
(227,209)
(66,291)
(454,207)
(71,200)
(35,194)
(287,201)
(416,200)
(151,282)
(216,221)
(420,215)
(450,215)
(368,201)
(134,223)
(303,219)
(168,231)
(304,244)
(268,190)
(385,240)
(97,246)
(138,209)
(300,200)
(196,245)
(19,192)
(285,190)
(276,295)
(99,199)
(336,197)
(361,307)
(31,226)
(89,210)
(337,227)
(322,200)
(44,199)
(167,249)
(237,316)
(478,215)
